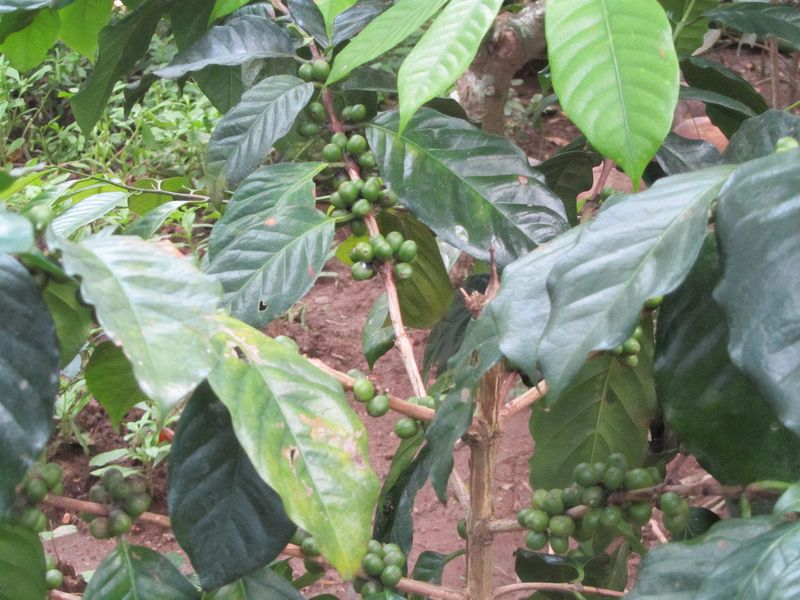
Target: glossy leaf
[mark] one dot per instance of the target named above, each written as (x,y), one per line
(568,174)
(16,233)
(760,286)
(137,572)
(225,517)
(295,425)
(245,134)
(756,137)
(712,77)
(87,211)
(7,6)
(28,375)
(22,566)
(615,71)
(689,26)
(27,48)
(150,299)
(426,296)
(607,408)
(681,155)
(765,20)
(73,322)
(262,585)
(239,40)
(453,418)
(713,98)
(349,23)
(81,22)
(110,379)
(789,502)
(522,304)
(331,8)
(307,15)
(599,570)
(122,44)
(222,8)
(383,33)
(377,338)
(443,53)
(148,225)
(430,568)
(639,246)
(486,193)
(709,403)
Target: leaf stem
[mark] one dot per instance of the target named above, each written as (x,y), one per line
(130,188)
(575,588)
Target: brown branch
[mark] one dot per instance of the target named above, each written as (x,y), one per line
(556,587)
(59,595)
(101,509)
(523,401)
(396,404)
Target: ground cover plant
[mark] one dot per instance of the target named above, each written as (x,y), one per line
(628,327)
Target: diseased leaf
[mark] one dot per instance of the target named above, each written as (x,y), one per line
(760,287)
(615,71)
(486,194)
(110,379)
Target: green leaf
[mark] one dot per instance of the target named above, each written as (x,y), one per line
(304,440)
(709,403)
(639,246)
(599,570)
(239,40)
(443,53)
(689,25)
(430,568)
(522,304)
(756,137)
(765,20)
(262,585)
(720,83)
(28,47)
(224,516)
(708,97)
(453,418)
(487,194)
(110,379)
(16,233)
(607,408)
(222,8)
(789,502)
(87,211)
(81,23)
(146,226)
(122,44)
(223,86)
(426,296)
(383,33)
(136,572)
(681,155)
(306,14)
(28,375)
(349,23)
(331,8)
(377,339)
(72,320)
(698,522)
(152,300)
(615,71)
(242,138)
(479,352)
(22,566)
(760,286)
(738,558)
(568,174)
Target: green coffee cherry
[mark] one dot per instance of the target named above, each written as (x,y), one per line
(538,498)
(676,523)
(362,251)
(631,346)
(367,160)
(340,139)
(372,189)
(461,528)
(316,112)
(639,513)
(54,579)
(394,557)
(654,302)
(36,489)
(136,505)
(553,503)
(331,153)
(387,199)
(363,390)
(375,547)
(383,250)
(361,207)
(617,459)
(51,473)
(378,406)
(594,496)
(637,479)
(585,474)
(631,361)
(613,478)
(361,271)
(119,522)
(536,520)
(372,564)
(562,525)
(408,251)
(535,540)
(403,271)
(638,333)
(309,547)
(100,529)
(308,130)
(611,517)
(337,201)
(306,72)
(395,240)
(785,144)
(572,496)
(406,428)
(356,144)
(559,544)
(359,228)
(348,192)
(49,562)
(356,113)
(672,504)
(370,588)
(320,69)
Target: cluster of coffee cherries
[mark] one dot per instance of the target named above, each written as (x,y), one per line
(628,351)
(310,549)
(354,199)
(378,405)
(552,518)
(126,501)
(393,247)
(384,564)
(53,576)
(39,481)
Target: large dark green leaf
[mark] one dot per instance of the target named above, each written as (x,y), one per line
(760,287)
(716,412)
(72,320)
(224,516)
(132,572)
(568,174)
(426,296)
(688,24)
(22,566)
(110,379)
(711,76)
(681,155)
(264,584)
(306,14)
(430,568)
(304,440)
(28,375)
(329,9)
(239,40)
(616,74)
(81,23)
(523,304)
(349,23)
(453,418)
(152,300)
(28,47)
(737,558)
(607,408)
(245,134)
(122,44)
(474,190)
(639,246)
(763,19)
(479,352)
(757,136)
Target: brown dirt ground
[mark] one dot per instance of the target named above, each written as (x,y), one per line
(328,325)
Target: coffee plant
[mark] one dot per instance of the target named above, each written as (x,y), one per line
(645,325)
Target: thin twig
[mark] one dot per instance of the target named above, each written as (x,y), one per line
(101,509)
(556,587)
(523,401)
(130,188)
(396,404)
(280,7)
